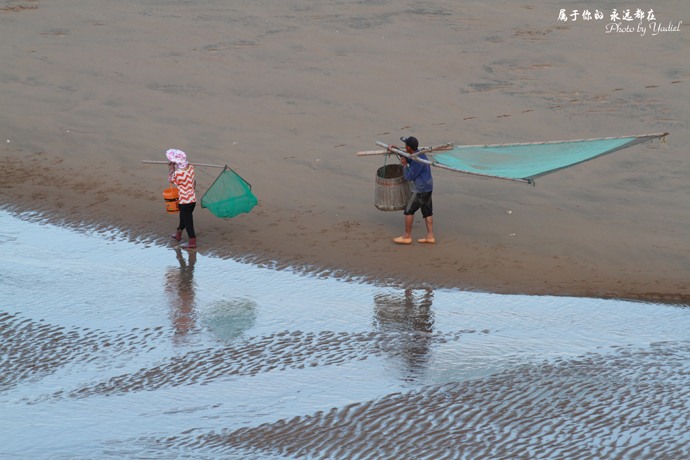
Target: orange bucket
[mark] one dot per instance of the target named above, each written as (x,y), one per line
(172,200)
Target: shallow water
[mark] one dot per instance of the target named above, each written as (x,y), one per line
(111,349)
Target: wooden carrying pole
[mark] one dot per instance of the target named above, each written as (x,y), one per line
(407,155)
(448,146)
(193,164)
(528,181)
(651,136)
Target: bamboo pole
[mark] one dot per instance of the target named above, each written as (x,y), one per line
(452,145)
(447,146)
(528,181)
(656,135)
(407,155)
(371,152)
(193,164)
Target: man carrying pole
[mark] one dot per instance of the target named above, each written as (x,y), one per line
(423,184)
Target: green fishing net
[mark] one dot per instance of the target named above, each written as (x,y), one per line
(229,195)
(528,161)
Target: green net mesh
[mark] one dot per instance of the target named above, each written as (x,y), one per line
(530,161)
(229,196)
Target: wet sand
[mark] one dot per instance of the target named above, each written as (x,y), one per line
(286,93)
(625,404)
(596,407)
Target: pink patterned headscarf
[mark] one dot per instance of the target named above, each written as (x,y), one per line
(178,157)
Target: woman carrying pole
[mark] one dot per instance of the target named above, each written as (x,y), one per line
(182,175)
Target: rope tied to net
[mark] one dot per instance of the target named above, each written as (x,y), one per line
(385,160)
(205,172)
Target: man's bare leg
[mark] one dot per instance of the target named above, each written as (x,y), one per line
(429,231)
(408,226)
(429,227)
(407,237)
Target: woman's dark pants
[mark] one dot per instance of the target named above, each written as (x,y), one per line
(186,221)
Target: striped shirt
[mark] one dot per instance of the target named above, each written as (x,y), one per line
(185,184)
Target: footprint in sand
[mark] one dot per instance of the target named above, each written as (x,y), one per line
(17,8)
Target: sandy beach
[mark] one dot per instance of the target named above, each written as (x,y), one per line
(286,93)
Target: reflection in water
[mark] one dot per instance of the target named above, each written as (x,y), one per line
(228,319)
(179,284)
(411,313)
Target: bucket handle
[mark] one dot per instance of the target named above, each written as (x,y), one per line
(171,186)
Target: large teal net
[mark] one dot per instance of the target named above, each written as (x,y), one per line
(528,161)
(229,195)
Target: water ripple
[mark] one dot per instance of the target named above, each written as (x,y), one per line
(630,404)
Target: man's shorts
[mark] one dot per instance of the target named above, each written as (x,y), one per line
(419,200)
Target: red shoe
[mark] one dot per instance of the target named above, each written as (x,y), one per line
(177,236)
(191,244)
